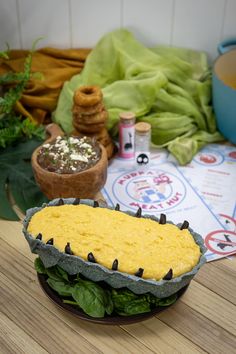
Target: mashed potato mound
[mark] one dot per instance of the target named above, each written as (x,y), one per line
(109,235)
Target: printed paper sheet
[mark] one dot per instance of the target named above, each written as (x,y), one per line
(181,193)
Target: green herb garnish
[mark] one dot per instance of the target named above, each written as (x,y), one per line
(12,127)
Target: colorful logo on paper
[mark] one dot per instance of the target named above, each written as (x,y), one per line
(152,190)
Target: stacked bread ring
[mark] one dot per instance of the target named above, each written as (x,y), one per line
(90,115)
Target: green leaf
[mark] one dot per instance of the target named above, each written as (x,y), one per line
(127,303)
(122,297)
(4,55)
(13,129)
(70,302)
(109,303)
(61,287)
(39,266)
(167,301)
(17,177)
(62,273)
(136,306)
(90,297)
(54,274)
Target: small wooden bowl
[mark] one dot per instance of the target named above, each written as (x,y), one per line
(85,184)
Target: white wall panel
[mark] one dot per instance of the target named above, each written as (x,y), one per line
(91,19)
(9,26)
(229,28)
(47,18)
(149,20)
(198,24)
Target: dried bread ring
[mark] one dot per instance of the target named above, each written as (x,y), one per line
(88,129)
(82,110)
(97,118)
(87,96)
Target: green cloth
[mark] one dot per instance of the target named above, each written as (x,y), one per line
(168,87)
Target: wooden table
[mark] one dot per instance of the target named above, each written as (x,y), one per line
(203,320)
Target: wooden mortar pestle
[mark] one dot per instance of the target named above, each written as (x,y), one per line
(84,184)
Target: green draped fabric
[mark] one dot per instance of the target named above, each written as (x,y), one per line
(168,87)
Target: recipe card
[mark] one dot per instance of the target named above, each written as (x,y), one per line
(163,188)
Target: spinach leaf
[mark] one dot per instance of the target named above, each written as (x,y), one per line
(57,278)
(56,273)
(135,307)
(61,287)
(167,301)
(90,297)
(122,297)
(109,303)
(95,300)
(70,302)
(39,266)
(127,303)
(62,273)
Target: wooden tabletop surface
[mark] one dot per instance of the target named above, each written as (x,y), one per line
(202,321)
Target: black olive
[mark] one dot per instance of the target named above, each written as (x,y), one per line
(76,201)
(139,272)
(185,225)
(91,258)
(139,213)
(117,207)
(50,241)
(115,264)
(60,202)
(162,219)
(68,249)
(168,275)
(39,237)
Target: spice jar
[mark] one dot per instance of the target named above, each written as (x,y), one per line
(142,143)
(126,135)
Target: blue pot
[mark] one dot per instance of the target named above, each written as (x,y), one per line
(224,89)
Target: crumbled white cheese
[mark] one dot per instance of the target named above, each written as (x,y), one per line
(65,149)
(73,140)
(46,146)
(85,146)
(78,157)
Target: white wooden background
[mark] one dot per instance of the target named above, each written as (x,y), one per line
(196,24)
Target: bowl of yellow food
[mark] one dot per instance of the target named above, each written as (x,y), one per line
(147,255)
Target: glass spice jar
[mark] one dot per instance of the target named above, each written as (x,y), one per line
(126,135)
(142,143)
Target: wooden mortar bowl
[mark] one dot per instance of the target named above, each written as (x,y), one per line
(85,184)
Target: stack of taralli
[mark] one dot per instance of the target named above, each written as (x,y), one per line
(90,116)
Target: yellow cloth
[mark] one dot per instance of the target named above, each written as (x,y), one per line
(56,66)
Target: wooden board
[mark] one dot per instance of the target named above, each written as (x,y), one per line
(202,321)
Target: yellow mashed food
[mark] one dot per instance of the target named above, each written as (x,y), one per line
(109,235)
